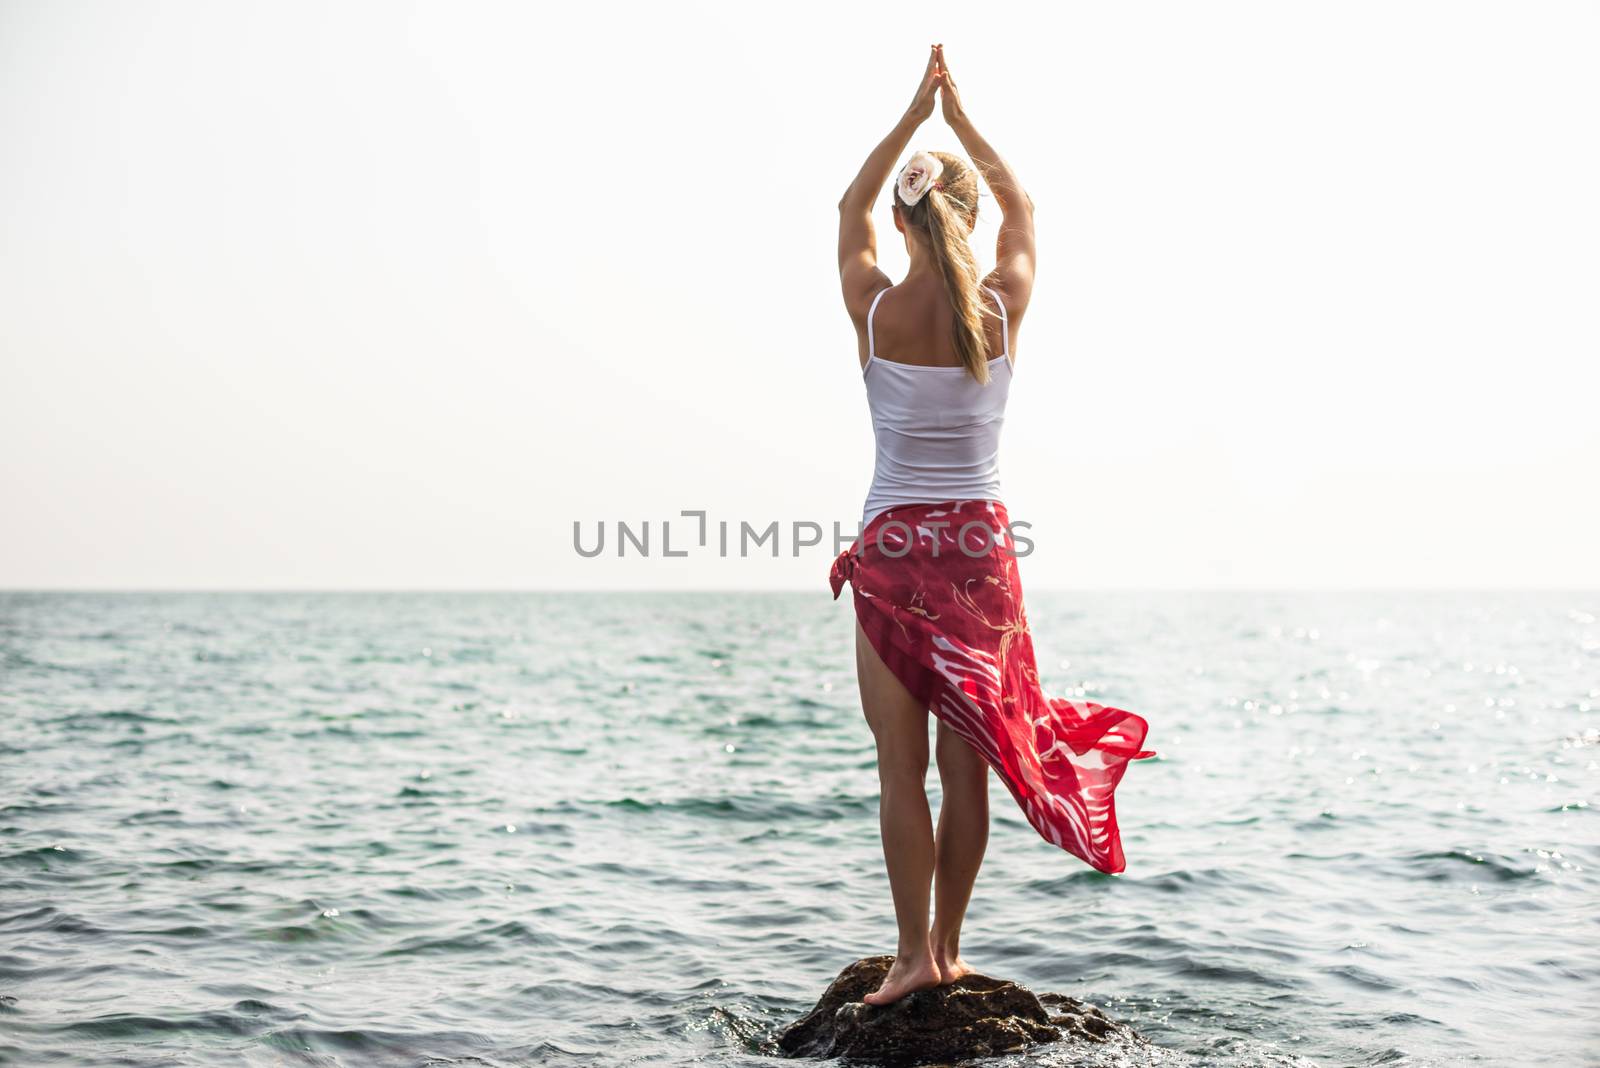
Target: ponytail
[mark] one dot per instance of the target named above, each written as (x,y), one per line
(959,269)
(946,213)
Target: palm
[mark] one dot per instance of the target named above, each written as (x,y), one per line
(922,103)
(949,97)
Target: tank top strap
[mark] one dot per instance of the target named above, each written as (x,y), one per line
(872,349)
(1005,327)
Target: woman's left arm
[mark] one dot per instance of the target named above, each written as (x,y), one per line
(858,247)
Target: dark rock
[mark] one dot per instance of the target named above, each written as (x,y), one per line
(1082,1021)
(976,1016)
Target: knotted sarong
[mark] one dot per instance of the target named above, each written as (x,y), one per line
(937,593)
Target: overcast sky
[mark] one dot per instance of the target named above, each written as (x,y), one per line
(367,296)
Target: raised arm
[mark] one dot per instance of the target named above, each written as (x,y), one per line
(858,246)
(1014,248)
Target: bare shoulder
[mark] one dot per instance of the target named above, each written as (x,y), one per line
(1013,295)
(1013,304)
(858,298)
(858,303)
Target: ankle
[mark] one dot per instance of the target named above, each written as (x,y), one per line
(922,951)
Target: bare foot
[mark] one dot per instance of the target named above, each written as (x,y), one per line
(905,977)
(951,966)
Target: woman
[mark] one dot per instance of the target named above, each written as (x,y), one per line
(939,618)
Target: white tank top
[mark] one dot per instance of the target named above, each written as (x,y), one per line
(937,428)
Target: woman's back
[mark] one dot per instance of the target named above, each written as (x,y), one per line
(937,427)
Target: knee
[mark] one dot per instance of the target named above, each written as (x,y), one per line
(960,768)
(957,759)
(897,764)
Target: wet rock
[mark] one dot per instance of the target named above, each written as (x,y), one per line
(976,1016)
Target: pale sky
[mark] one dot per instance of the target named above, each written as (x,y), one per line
(367,296)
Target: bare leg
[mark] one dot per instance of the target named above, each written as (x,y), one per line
(963,837)
(900,727)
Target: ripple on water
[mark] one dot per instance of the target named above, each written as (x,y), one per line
(622,829)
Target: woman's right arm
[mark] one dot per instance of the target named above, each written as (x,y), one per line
(1014,249)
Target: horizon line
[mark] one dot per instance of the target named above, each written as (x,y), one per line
(515,591)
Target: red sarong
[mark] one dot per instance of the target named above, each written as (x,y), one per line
(938,595)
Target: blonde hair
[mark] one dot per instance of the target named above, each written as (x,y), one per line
(945,214)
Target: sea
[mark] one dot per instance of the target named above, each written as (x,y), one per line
(641,828)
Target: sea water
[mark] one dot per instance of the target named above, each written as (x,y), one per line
(609,829)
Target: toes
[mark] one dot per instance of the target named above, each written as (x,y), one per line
(882,996)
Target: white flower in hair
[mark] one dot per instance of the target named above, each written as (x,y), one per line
(917,177)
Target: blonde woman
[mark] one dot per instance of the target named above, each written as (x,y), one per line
(940,624)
